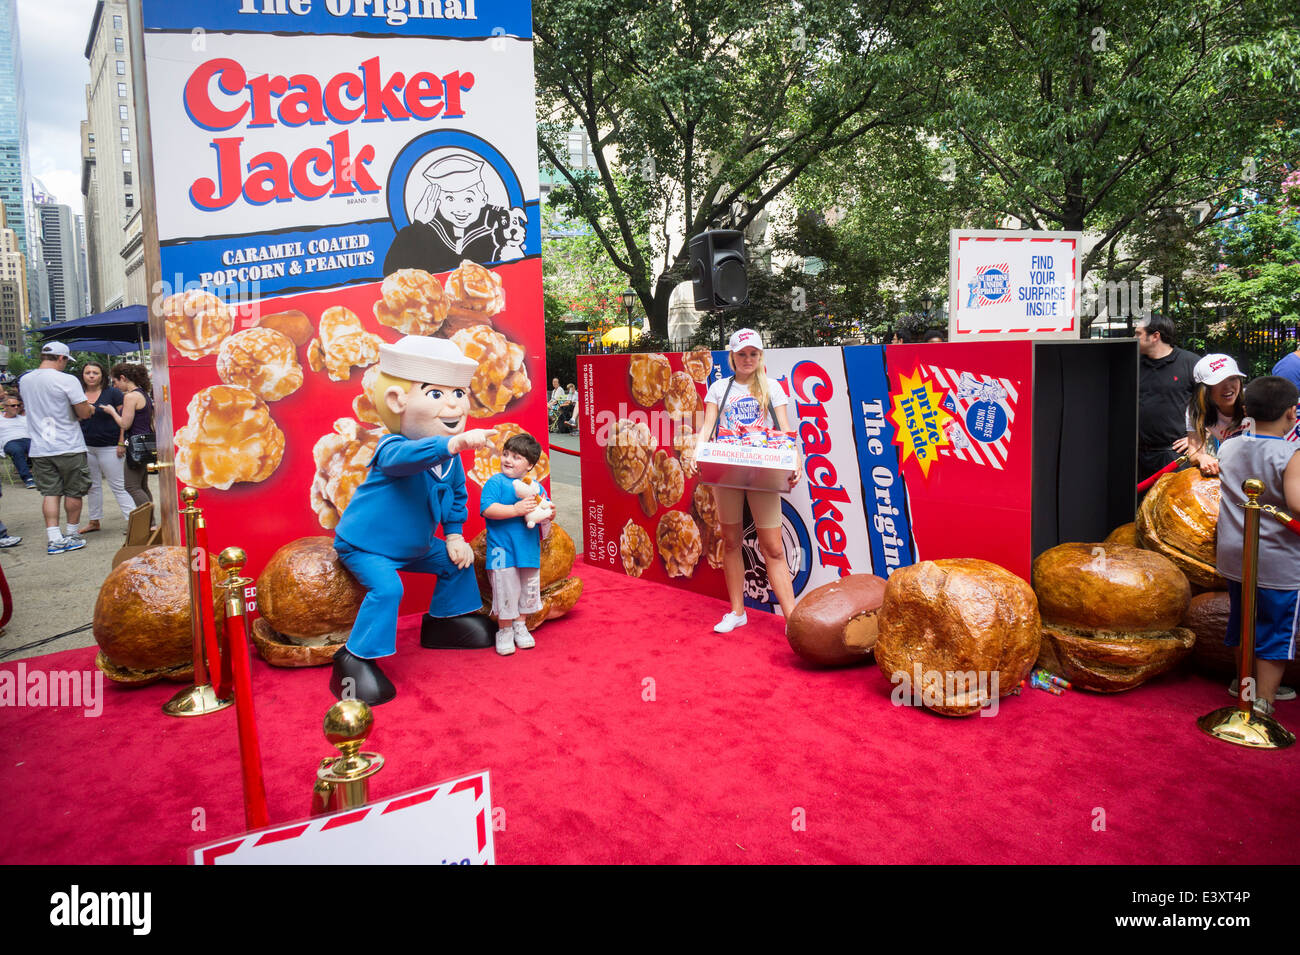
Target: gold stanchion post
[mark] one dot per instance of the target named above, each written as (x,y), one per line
(1241,724)
(343,782)
(199,699)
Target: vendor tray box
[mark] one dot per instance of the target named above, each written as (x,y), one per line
(738,465)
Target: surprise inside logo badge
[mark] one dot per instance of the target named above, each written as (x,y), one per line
(921,420)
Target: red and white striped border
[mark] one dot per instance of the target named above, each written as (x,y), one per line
(476,783)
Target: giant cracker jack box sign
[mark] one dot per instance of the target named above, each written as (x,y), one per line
(995,450)
(328,175)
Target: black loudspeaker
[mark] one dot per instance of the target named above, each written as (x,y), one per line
(718,270)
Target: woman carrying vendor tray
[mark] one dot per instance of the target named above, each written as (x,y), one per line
(747,400)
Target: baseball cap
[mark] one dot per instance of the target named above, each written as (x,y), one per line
(744,338)
(1213,369)
(56,350)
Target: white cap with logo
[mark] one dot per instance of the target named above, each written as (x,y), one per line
(745,338)
(1213,369)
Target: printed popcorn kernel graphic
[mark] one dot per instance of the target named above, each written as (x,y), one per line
(229,437)
(649,376)
(679,543)
(342,464)
(412,302)
(635,548)
(501,376)
(197,322)
(262,360)
(342,344)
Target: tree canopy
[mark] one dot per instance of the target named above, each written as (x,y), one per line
(879,126)
(693,107)
(1098,115)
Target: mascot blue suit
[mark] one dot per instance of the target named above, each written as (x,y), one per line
(416,485)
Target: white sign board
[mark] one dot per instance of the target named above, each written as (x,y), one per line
(1013,284)
(448,823)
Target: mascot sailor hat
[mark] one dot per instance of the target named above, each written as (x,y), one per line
(434,361)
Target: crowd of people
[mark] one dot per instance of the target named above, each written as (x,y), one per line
(562,408)
(1203,409)
(69,435)
(1188,405)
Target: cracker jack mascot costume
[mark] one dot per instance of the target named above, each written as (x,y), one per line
(416,484)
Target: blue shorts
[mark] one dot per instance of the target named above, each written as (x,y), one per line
(1277,620)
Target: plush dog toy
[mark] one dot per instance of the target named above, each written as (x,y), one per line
(545,511)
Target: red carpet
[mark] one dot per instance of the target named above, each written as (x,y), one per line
(739,746)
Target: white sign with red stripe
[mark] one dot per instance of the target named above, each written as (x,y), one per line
(1013,284)
(448,823)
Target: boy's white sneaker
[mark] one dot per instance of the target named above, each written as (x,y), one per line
(1283,694)
(523,639)
(730,622)
(506,642)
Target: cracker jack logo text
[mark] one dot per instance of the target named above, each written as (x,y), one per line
(220,95)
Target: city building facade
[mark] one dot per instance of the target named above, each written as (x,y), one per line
(13,288)
(15,162)
(110,184)
(59,246)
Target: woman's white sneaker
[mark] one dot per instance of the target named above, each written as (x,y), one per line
(730,622)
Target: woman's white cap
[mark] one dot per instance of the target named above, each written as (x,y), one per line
(744,338)
(1213,369)
(429,361)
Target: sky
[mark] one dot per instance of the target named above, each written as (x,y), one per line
(55,73)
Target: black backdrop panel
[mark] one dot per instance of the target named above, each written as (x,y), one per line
(1085,440)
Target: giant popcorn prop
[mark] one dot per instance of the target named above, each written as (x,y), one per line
(1110,614)
(957,633)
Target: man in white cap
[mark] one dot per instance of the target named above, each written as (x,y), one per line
(416,485)
(452,222)
(55,405)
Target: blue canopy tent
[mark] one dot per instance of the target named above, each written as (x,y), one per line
(129,325)
(101,346)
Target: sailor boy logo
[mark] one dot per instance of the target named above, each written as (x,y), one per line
(453,197)
(990,286)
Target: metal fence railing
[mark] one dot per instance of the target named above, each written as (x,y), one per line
(1264,346)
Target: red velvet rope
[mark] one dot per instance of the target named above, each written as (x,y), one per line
(1283,517)
(250,750)
(1172,466)
(218,669)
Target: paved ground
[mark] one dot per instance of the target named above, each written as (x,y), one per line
(54,596)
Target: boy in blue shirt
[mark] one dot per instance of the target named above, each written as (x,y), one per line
(514,550)
(1264,453)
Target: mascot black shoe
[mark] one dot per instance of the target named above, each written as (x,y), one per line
(470,631)
(356,678)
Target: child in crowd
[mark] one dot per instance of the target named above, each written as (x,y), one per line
(514,550)
(1264,454)
(1215,411)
